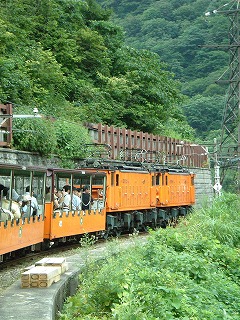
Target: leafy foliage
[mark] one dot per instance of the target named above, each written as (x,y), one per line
(206,109)
(189,42)
(190,272)
(71,140)
(35,135)
(69,59)
(50,136)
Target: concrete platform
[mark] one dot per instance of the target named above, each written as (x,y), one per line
(44,303)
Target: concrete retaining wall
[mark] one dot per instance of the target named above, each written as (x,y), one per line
(27,158)
(203,184)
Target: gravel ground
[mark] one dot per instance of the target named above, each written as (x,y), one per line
(12,271)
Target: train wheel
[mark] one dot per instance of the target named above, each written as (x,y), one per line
(105,234)
(154,224)
(164,224)
(46,245)
(117,232)
(143,228)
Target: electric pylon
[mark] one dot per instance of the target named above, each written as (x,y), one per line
(229,151)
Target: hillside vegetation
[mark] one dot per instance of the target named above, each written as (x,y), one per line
(190,43)
(70,60)
(188,272)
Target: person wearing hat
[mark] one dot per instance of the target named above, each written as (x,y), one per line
(34,208)
(25,208)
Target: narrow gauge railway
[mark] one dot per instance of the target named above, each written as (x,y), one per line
(123,197)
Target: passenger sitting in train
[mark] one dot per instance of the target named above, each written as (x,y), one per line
(48,194)
(76,201)
(57,198)
(10,208)
(15,196)
(34,208)
(79,192)
(86,198)
(25,207)
(65,201)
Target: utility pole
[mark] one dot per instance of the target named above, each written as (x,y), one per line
(217,186)
(229,152)
(230,137)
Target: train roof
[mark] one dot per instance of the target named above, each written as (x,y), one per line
(130,166)
(77,171)
(7,167)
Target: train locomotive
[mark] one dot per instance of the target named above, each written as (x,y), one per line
(124,197)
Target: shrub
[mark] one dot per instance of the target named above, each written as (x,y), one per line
(34,135)
(189,272)
(71,139)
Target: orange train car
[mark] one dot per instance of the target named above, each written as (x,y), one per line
(140,195)
(124,197)
(62,224)
(18,233)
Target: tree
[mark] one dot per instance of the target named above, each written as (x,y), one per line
(185,39)
(69,59)
(204,114)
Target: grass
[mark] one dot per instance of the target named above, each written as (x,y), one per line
(189,272)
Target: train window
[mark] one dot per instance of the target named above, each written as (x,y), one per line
(157,179)
(192,181)
(97,180)
(20,184)
(163,179)
(153,180)
(166,180)
(48,193)
(38,188)
(117,179)
(112,178)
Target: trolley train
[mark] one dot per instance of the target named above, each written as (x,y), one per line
(123,197)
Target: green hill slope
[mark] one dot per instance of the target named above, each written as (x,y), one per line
(189,42)
(69,59)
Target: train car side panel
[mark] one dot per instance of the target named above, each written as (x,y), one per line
(176,190)
(47,220)
(192,190)
(64,224)
(15,236)
(129,190)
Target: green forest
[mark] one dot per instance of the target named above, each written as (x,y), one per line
(149,65)
(71,61)
(190,43)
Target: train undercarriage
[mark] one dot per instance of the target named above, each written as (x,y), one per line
(123,222)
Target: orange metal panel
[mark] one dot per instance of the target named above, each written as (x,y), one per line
(16,236)
(47,220)
(70,225)
(178,191)
(133,191)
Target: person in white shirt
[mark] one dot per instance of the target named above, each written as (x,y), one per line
(76,201)
(65,201)
(34,209)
